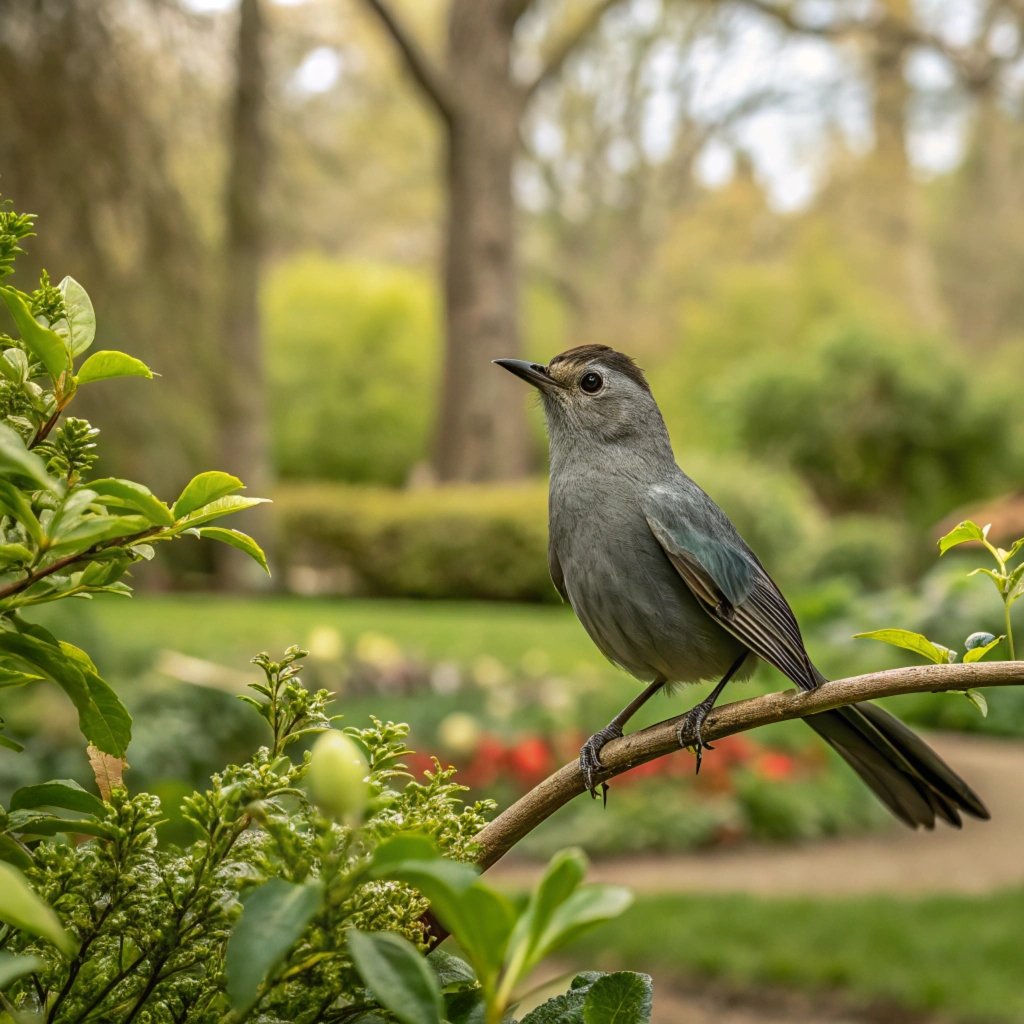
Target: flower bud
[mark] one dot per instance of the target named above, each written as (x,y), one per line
(337,776)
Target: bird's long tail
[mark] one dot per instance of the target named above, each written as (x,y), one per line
(900,768)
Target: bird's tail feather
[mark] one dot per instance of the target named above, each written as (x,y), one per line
(899,767)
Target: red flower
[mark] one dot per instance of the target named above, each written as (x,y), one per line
(531,761)
(776,765)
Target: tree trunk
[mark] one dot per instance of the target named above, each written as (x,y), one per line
(481,431)
(242,400)
(893,201)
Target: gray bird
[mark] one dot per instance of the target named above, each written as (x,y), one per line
(667,588)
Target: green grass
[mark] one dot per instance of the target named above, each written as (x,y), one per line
(958,955)
(229,630)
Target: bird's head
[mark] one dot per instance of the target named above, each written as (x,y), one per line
(594,394)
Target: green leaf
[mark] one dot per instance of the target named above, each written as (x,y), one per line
(568,1007)
(129,494)
(64,793)
(274,916)
(102,717)
(17,460)
(961,534)
(14,503)
(46,345)
(239,540)
(585,908)
(977,653)
(88,532)
(452,972)
(977,698)
(203,489)
(397,975)
(8,744)
(221,507)
(621,998)
(80,326)
(1016,546)
(911,642)
(108,363)
(13,852)
(562,878)
(22,908)
(15,554)
(32,823)
(14,967)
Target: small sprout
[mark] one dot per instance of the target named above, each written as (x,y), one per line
(977,698)
(980,639)
(337,776)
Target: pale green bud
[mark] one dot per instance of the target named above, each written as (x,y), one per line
(337,776)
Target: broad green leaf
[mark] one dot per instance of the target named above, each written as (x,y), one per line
(22,908)
(14,503)
(961,534)
(14,852)
(977,653)
(36,823)
(203,489)
(568,1007)
(88,532)
(561,879)
(452,972)
(239,540)
(102,717)
(80,326)
(129,494)
(397,975)
(977,698)
(14,967)
(17,460)
(585,908)
(46,345)
(14,554)
(217,509)
(57,793)
(911,642)
(108,363)
(620,998)
(274,916)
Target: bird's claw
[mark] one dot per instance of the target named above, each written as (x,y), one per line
(688,732)
(590,760)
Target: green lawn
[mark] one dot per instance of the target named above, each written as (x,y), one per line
(958,955)
(230,630)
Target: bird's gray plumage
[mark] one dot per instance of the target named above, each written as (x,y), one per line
(666,587)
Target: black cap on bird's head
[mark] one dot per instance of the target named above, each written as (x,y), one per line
(579,367)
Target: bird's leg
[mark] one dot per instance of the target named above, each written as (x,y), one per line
(590,752)
(690,726)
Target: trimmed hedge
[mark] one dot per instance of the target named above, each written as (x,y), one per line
(490,542)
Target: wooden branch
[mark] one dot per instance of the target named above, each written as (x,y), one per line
(513,824)
(568,43)
(430,78)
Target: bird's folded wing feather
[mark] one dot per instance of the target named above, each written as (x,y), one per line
(737,592)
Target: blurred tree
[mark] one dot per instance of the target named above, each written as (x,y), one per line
(479,102)
(242,404)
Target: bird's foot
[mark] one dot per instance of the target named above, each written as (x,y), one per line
(590,758)
(688,731)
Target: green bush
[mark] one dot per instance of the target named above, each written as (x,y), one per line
(877,423)
(490,542)
(872,551)
(352,353)
(457,542)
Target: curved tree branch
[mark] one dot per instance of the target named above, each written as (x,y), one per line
(427,75)
(513,824)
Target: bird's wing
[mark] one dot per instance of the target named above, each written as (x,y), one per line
(736,591)
(557,576)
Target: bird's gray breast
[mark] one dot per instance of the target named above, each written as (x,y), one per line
(624,591)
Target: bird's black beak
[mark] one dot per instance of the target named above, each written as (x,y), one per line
(532,373)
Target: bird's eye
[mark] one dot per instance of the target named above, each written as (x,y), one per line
(591,383)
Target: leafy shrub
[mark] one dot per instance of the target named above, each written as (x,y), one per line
(872,551)
(353,353)
(873,424)
(454,542)
(490,542)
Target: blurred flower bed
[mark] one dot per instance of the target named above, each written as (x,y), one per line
(504,727)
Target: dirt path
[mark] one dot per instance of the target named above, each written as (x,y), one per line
(983,857)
